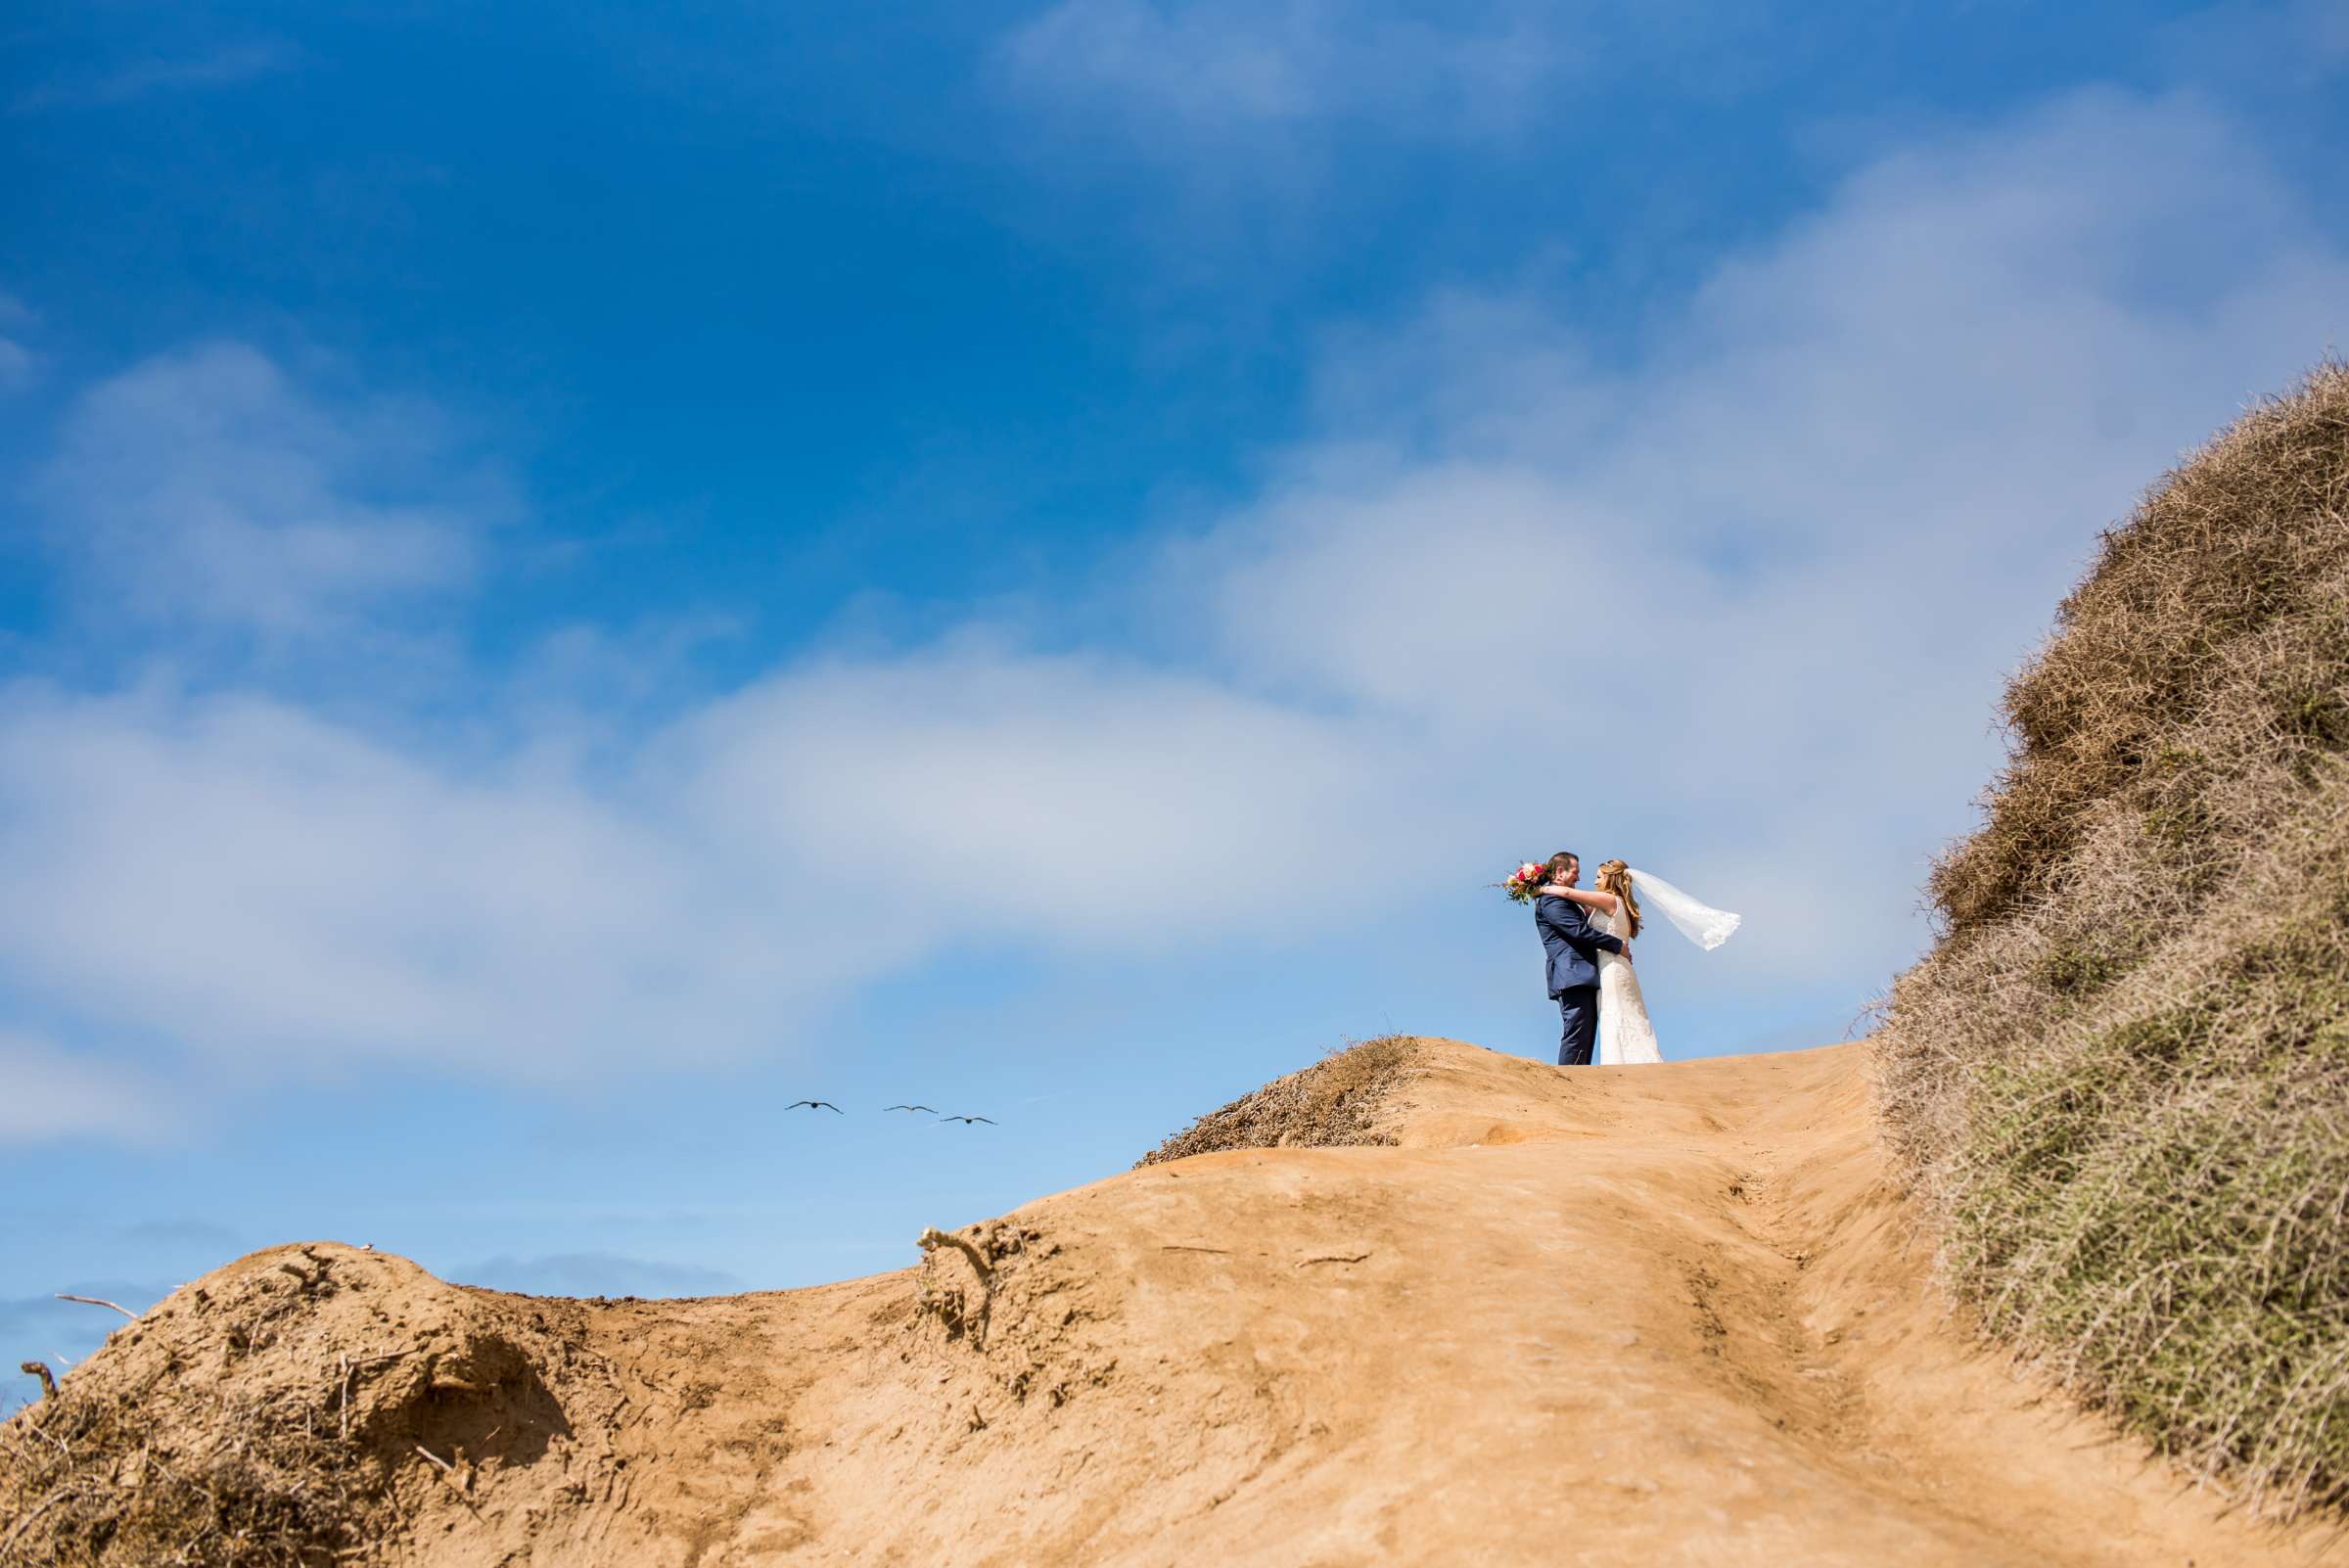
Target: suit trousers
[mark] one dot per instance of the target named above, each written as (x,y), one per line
(1577,1010)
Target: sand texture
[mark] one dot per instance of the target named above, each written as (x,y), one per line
(1658,1315)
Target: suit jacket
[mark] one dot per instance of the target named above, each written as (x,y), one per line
(1573,945)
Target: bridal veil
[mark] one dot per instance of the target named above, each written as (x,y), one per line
(1700,923)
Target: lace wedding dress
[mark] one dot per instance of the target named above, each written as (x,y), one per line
(1624,1035)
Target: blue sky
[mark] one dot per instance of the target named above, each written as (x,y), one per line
(571,576)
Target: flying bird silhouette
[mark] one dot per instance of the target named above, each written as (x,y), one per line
(813,1104)
(967,1120)
(932,1109)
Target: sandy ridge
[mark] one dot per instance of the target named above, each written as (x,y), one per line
(1660,1316)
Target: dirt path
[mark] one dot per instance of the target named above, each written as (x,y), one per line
(1650,1316)
(1655,1317)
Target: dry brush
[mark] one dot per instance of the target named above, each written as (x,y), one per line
(2122,1075)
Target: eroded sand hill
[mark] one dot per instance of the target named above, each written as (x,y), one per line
(1660,1316)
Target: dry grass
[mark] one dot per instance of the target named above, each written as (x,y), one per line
(269,1483)
(2123,1073)
(140,1456)
(279,1412)
(1335,1103)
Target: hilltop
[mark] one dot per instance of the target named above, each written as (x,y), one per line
(1642,1315)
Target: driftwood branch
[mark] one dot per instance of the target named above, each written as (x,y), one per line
(41,1371)
(46,1504)
(100,1301)
(933,1239)
(459,1481)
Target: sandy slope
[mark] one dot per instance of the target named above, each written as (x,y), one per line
(1640,1317)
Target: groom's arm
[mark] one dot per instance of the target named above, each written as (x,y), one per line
(1565,917)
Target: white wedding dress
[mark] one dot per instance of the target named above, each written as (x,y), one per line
(1624,1035)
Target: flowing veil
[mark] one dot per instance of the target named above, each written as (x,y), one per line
(1700,923)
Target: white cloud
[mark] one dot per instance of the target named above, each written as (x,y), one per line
(1290,93)
(2260,47)
(260,881)
(1044,781)
(227,66)
(1169,71)
(1743,608)
(204,489)
(1739,611)
(20,366)
(50,1093)
(1793,549)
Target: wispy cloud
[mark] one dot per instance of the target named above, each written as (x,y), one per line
(1194,80)
(1738,609)
(260,880)
(1230,94)
(2259,46)
(1169,71)
(53,1093)
(228,65)
(206,490)
(1768,577)
(19,365)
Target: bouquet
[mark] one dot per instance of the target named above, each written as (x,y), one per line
(1524,881)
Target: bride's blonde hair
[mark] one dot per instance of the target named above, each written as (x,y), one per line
(1615,877)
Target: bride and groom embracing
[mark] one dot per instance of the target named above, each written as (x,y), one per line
(1588,937)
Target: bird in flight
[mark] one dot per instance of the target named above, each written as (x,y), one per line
(813,1104)
(967,1120)
(932,1109)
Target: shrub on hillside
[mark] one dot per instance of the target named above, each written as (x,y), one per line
(2122,1075)
(1338,1101)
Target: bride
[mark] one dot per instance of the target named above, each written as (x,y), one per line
(1625,1036)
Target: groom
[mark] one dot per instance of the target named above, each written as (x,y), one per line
(1574,949)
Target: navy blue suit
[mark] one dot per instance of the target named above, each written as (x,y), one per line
(1573,948)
